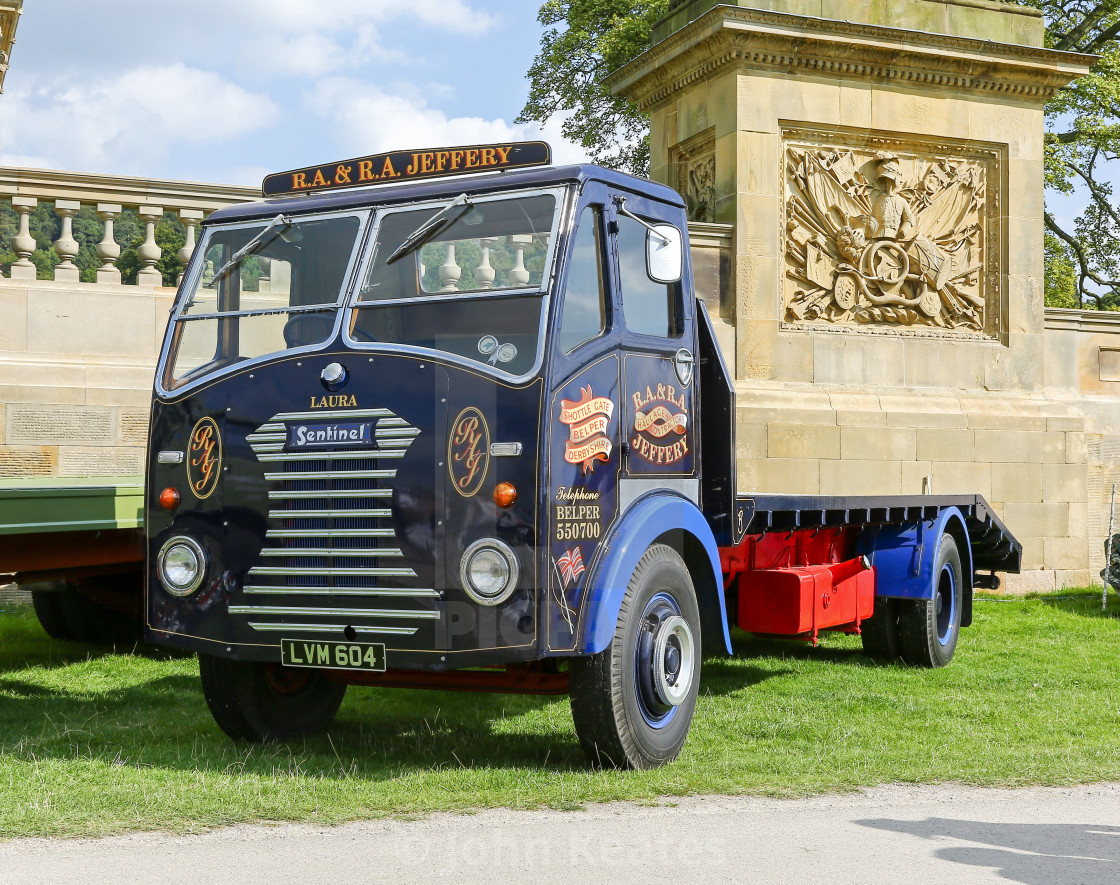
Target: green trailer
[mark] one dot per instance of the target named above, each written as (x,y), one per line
(78,545)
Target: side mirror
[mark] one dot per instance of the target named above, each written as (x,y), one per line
(664,253)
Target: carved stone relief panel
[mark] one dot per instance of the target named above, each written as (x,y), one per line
(695,160)
(890,234)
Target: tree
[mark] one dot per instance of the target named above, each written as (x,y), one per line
(584,40)
(1082,136)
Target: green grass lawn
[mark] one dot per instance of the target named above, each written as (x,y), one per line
(93,742)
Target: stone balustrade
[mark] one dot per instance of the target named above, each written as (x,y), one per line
(109,196)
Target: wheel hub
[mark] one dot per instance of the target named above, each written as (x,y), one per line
(672,660)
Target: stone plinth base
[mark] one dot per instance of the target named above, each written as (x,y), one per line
(1026,456)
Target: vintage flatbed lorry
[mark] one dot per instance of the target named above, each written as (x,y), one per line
(475,432)
(78,544)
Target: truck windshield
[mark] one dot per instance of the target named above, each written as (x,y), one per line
(282,292)
(473,289)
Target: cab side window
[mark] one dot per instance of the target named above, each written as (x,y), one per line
(649,308)
(585,302)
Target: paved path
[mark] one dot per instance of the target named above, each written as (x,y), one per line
(893,835)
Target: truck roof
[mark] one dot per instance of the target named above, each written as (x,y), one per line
(450,186)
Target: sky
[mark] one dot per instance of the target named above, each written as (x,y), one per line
(227,91)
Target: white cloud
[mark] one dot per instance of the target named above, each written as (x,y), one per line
(340,16)
(249,176)
(366,119)
(295,38)
(26,161)
(122,123)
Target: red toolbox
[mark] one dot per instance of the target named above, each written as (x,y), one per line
(805,599)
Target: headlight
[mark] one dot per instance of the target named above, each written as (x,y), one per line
(489,571)
(181,565)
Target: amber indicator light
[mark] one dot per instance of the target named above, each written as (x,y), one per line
(505,494)
(169,498)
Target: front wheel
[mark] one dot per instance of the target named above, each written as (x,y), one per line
(928,629)
(633,702)
(255,701)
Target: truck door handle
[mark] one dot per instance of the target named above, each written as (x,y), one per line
(684,363)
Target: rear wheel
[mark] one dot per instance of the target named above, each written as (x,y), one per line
(90,621)
(47,602)
(929,628)
(633,702)
(255,701)
(879,633)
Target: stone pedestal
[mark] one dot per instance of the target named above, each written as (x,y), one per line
(881,167)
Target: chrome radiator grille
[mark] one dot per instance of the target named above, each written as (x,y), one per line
(336,543)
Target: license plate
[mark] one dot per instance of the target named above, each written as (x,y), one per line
(333,655)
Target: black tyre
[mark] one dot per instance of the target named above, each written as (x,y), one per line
(879,633)
(90,621)
(48,609)
(633,702)
(928,628)
(254,701)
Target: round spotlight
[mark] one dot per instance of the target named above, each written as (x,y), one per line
(489,571)
(333,376)
(181,565)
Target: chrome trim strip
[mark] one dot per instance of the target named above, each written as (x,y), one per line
(331,612)
(372,513)
(460,295)
(395,592)
(260,311)
(325,455)
(335,572)
(331,551)
(331,493)
(329,533)
(329,628)
(332,474)
(334,413)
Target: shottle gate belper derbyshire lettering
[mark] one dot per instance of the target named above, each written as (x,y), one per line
(881,232)
(588,419)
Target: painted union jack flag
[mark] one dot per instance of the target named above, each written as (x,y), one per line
(571,566)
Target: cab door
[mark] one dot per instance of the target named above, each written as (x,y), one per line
(658,342)
(583,418)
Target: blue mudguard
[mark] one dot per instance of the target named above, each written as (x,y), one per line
(649,518)
(904,556)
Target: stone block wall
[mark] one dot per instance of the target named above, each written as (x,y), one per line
(76,368)
(1028,464)
(1083,367)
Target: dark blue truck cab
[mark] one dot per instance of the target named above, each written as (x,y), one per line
(472,431)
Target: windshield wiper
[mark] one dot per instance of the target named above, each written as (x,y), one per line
(427,230)
(252,244)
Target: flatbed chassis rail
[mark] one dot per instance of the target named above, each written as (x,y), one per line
(994,548)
